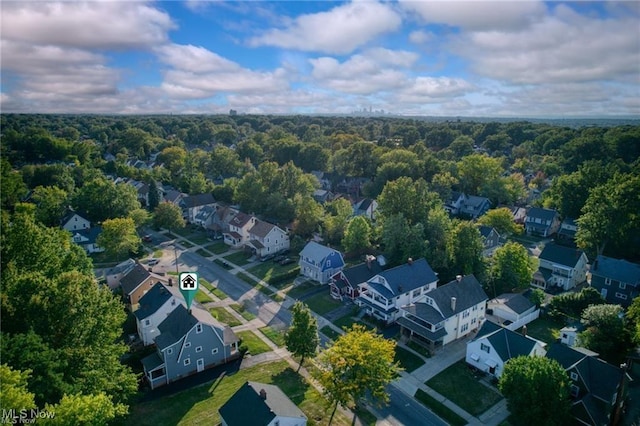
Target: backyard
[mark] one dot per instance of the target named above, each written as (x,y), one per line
(253,343)
(458,384)
(545,329)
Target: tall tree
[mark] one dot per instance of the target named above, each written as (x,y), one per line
(402,240)
(302,336)
(537,391)
(308,215)
(154,195)
(511,268)
(410,198)
(476,170)
(633,320)
(119,237)
(51,203)
(357,236)
(102,199)
(12,187)
(466,250)
(502,220)
(14,389)
(84,410)
(169,216)
(360,363)
(605,332)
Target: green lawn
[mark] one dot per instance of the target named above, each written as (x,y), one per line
(215,290)
(185,243)
(347,320)
(545,329)
(407,360)
(419,348)
(276,336)
(222,315)
(242,311)
(267,270)
(301,289)
(329,332)
(199,239)
(218,247)
(199,405)
(158,253)
(264,290)
(202,252)
(457,384)
(202,297)
(440,409)
(252,342)
(247,279)
(239,258)
(322,303)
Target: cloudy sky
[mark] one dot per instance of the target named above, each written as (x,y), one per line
(454,58)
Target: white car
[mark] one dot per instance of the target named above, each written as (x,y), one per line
(152,262)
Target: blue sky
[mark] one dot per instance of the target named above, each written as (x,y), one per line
(437,58)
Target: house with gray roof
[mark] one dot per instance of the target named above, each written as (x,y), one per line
(617,280)
(153,308)
(266,238)
(73,221)
(192,204)
(205,217)
(136,283)
(567,232)
(114,275)
(319,262)
(384,294)
(366,207)
(444,314)
(188,342)
(490,239)
(493,347)
(87,239)
(598,389)
(512,310)
(542,222)
(560,268)
(344,284)
(261,404)
(471,206)
(238,232)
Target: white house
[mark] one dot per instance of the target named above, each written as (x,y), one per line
(319,262)
(72,221)
(383,295)
(560,266)
(114,275)
(266,238)
(193,204)
(512,310)
(238,233)
(445,314)
(87,239)
(261,404)
(493,346)
(153,308)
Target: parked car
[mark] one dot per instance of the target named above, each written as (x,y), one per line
(286,261)
(267,257)
(147,239)
(153,262)
(278,258)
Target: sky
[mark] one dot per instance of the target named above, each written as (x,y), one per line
(431,58)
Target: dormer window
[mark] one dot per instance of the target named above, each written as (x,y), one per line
(574,376)
(198,328)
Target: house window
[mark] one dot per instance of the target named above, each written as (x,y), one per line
(169,351)
(187,361)
(198,348)
(416,292)
(473,321)
(485,348)
(574,375)
(214,351)
(465,314)
(198,328)
(623,286)
(147,323)
(607,281)
(575,390)
(187,345)
(621,296)
(464,328)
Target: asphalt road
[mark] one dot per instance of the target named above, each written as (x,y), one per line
(404,410)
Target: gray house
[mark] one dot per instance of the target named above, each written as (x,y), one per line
(617,280)
(490,239)
(542,222)
(189,342)
(319,262)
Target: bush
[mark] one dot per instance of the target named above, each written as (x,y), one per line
(276,279)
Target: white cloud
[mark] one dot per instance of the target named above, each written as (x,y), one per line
(432,90)
(337,31)
(97,24)
(421,37)
(477,14)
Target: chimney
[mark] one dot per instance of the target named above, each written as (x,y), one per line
(458,278)
(410,261)
(524,330)
(263,394)
(150,269)
(453,304)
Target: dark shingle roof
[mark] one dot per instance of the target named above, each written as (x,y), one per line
(544,214)
(198,200)
(509,344)
(468,292)
(561,255)
(152,361)
(514,301)
(153,300)
(90,234)
(174,327)
(134,278)
(409,276)
(485,231)
(616,269)
(247,407)
(362,273)
(488,327)
(261,228)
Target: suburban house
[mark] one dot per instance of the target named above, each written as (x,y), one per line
(172,196)
(205,217)
(444,314)
(468,205)
(323,179)
(188,343)
(344,284)
(238,233)
(192,204)
(154,307)
(136,283)
(495,345)
(598,389)
(266,238)
(490,239)
(366,207)
(542,222)
(519,214)
(260,404)
(72,221)
(114,275)
(567,232)
(322,195)
(222,217)
(512,310)
(86,238)
(560,267)
(319,262)
(617,280)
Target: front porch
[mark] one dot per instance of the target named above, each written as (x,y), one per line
(387,315)
(421,335)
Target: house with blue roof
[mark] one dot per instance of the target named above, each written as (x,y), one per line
(542,222)
(444,314)
(344,284)
(319,262)
(617,280)
(384,294)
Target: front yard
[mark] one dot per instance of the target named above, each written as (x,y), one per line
(253,343)
(322,303)
(458,384)
(239,258)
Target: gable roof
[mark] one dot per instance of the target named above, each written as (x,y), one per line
(134,278)
(363,272)
(475,201)
(364,204)
(561,255)
(261,228)
(485,230)
(468,292)
(153,300)
(404,278)
(198,200)
(544,214)
(248,407)
(91,234)
(68,215)
(174,327)
(317,251)
(205,213)
(514,301)
(509,344)
(240,219)
(616,269)
(172,196)
(487,328)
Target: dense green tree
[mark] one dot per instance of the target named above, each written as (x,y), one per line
(15,394)
(574,303)
(102,199)
(466,250)
(536,296)
(402,240)
(249,149)
(605,332)
(169,216)
(502,220)
(12,187)
(119,237)
(224,161)
(477,170)
(511,268)
(308,215)
(51,203)
(357,236)
(336,218)
(443,183)
(410,198)
(537,391)
(302,336)
(154,195)
(438,232)
(359,364)
(633,320)
(84,410)
(173,158)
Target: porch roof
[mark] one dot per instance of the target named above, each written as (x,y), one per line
(378,308)
(152,362)
(432,336)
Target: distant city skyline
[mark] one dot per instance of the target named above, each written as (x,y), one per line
(411,58)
